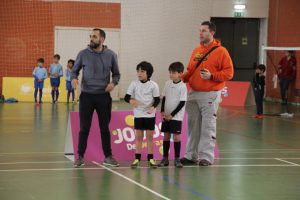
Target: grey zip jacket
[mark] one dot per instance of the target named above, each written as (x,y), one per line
(96,69)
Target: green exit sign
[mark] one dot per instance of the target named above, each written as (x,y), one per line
(238,14)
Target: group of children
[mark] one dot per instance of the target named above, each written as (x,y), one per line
(55,72)
(143,94)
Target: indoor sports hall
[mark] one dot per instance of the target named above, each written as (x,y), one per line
(90,90)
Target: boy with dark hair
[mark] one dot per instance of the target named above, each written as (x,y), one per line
(143,95)
(39,74)
(172,112)
(55,72)
(69,87)
(259,89)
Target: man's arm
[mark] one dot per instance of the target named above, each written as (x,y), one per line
(75,70)
(115,71)
(227,69)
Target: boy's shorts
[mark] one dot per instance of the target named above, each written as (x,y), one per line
(54,82)
(69,86)
(172,126)
(38,85)
(144,123)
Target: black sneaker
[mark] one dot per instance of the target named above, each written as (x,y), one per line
(185,161)
(177,163)
(79,162)
(110,161)
(163,163)
(204,163)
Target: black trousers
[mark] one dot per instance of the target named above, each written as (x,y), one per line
(284,88)
(259,98)
(102,103)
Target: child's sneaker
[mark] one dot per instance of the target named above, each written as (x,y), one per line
(152,163)
(79,162)
(177,163)
(259,116)
(135,163)
(164,163)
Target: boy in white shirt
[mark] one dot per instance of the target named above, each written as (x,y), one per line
(172,112)
(143,95)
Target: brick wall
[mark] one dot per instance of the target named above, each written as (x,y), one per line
(27,29)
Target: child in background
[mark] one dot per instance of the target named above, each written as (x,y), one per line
(55,71)
(259,89)
(70,89)
(39,74)
(143,95)
(172,112)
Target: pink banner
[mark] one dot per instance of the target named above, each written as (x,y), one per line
(123,137)
(235,93)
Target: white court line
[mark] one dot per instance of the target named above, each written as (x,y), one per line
(285,161)
(221,151)
(252,158)
(171,167)
(21,153)
(55,169)
(237,150)
(48,162)
(260,152)
(132,181)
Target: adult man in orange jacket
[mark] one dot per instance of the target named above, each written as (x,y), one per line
(206,82)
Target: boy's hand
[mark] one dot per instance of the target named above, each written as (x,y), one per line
(134,103)
(151,110)
(56,75)
(109,87)
(40,80)
(74,83)
(168,117)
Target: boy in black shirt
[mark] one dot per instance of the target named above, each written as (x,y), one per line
(259,89)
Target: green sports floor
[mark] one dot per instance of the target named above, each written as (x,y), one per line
(259,160)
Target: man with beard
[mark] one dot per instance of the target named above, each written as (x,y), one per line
(97,63)
(209,67)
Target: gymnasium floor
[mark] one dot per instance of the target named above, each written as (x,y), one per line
(259,160)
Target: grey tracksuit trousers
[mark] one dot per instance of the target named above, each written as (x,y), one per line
(202,108)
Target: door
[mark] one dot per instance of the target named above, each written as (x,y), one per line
(69,41)
(240,36)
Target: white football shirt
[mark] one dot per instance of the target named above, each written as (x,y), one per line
(144,93)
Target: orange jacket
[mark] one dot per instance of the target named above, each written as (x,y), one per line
(217,62)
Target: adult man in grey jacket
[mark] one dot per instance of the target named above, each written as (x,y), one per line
(97,63)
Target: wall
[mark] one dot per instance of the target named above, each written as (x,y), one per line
(254,8)
(283,31)
(158,31)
